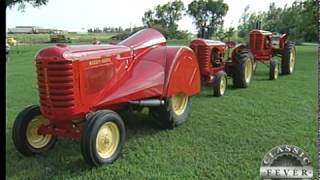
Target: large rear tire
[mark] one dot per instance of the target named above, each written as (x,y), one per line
(288,58)
(242,69)
(25,132)
(103,138)
(174,112)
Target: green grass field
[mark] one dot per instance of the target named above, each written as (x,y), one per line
(224,138)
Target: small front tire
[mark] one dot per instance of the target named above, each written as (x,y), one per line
(219,83)
(274,70)
(103,138)
(25,132)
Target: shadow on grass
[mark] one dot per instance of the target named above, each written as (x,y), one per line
(262,75)
(66,156)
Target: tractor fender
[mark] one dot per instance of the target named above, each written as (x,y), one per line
(237,49)
(182,72)
(282,40)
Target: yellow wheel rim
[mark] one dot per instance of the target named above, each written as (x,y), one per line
(248,70)
(179,103)
(108,138)
(35,139)
(276,72)
(292,57)
(223,85)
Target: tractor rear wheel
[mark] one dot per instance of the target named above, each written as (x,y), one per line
(174,112)
(103,138)
(25,132)
(274,70)
(242,69)
(288,58)
(219,83)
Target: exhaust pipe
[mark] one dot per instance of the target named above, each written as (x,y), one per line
(148,102)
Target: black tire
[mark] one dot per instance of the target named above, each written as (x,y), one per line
(219,83)
(20,130)
(273,70)
(242,77)
(165,115)
(90,134)
(287,66)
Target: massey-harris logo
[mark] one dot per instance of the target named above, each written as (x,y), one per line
(99,61)
(286,162)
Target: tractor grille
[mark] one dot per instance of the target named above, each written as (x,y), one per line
(55,83)
(256,41)
(203,55)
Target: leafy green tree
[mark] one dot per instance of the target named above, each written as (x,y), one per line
(298,20)
(90,30)
(272,18)
(165,17)
(22,3)
(208,16)
(308,29)
(244,22)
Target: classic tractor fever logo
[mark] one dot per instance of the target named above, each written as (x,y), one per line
(286,162)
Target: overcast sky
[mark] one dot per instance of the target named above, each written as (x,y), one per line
(83,14)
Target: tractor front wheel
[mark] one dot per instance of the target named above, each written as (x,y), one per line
(174,112)
(219,83)
(25,132)
(288,58)
(103,138)
(274,70)
(243,69)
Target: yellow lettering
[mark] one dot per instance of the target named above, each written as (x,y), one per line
(99,61)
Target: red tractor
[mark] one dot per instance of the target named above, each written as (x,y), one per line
(262,49)
(217,63)
(81,86)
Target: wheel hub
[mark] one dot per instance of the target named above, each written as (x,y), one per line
(179,103)
(107,140)
(35,139)
(222,85)
(292,57)
(276,72)
(248,71)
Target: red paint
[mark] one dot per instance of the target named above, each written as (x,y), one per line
(204,48)
(260,45)
(74,80)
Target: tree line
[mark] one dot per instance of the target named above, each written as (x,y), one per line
(207,15)
(299,20)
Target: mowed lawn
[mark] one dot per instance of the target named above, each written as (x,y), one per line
(224,138)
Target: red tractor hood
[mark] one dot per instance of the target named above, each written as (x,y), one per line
(136,43)
(80,52)
(206,42)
